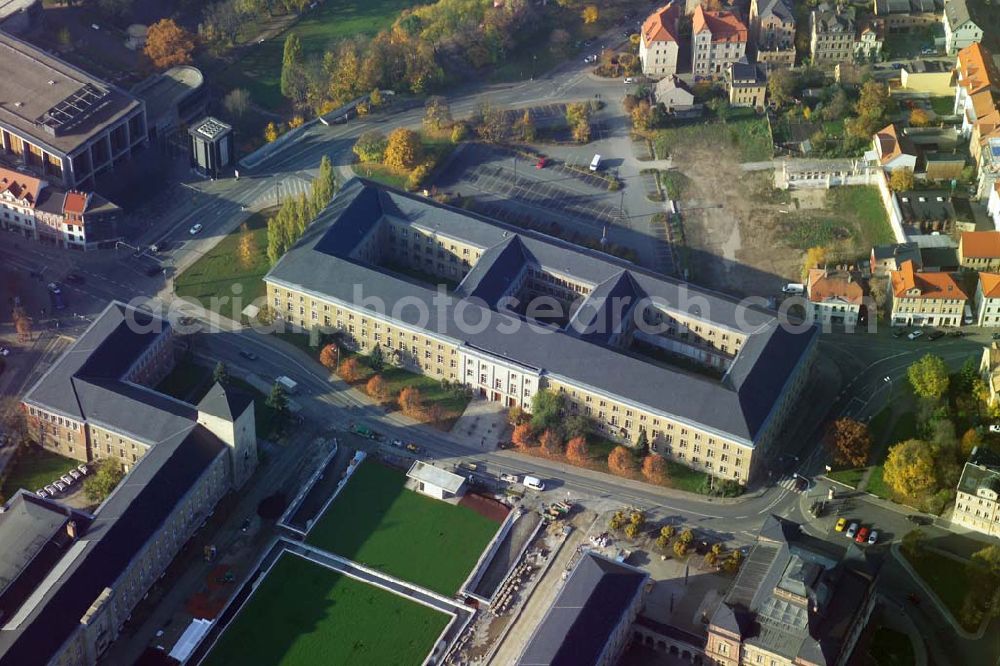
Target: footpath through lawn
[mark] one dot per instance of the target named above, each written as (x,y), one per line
(377,522)
(304,614)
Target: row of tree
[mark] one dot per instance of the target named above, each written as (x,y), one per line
(295,214)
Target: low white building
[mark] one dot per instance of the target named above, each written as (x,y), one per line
(434,481)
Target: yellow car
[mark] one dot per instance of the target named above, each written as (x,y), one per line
(841,524)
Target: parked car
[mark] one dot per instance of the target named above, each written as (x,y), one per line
(413,447)
(59,486)
(841,524)
(629,79)
(534,483)
(935,334)
(917,519)
(75,474)
(195,229)
(852,530)
(956,334)
(542,163)
(4,351)
(53,288)
(996,336)
(50,489)
(862,536)
(899,332)
(82,469)
(914,335)
(248,355)
(398,443)
(41,493)
(873,538)
(73,278)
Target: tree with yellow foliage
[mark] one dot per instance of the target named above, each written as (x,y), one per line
(270,132)
(404,149)
(815,258)
(909,468)
(901,180)
(590,14)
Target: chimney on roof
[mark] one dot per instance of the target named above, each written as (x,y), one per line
(71,529)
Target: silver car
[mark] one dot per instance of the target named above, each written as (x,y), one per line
(852,530)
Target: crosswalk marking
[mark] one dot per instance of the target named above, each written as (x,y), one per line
(788,483)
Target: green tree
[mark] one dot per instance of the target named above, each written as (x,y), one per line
(642,441)
(632,530)
(929,377)
(781,85)
(102,481)
(370,146)
(437,112)
(525,127)
(910,469)
(220,374)
(293,75)
(324,186)
(278,400)
(376,359)
(546,409)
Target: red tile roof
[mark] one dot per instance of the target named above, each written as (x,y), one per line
(824,287)
(929,285)
(891,144)
(981,244)
(661,25)
(976,70)
(75,203)
(724,26)
(991,285)
(22,187)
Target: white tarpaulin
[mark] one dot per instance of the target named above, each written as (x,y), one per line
(189,639)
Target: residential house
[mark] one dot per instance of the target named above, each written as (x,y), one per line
(772,24)
(893,150)
(619,315)
(718,39)
(868,44)
(831,35)
(885,258)
(960,30)
(674,95)
(979,250)
(977,497)
(977,92)
(988,299)
(747,84)
(834,297)
(925,299)
(989,370)
(659,41)
(993,205)
(798,599)
(927,77)
(38,211)
(989,170)
(900,16)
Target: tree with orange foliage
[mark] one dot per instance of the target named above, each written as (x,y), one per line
(329,355)
(434,413)
(168,44)
(523,436)
(376,388)
(350,370)
(551,442)
(919,118)
(654,469)
(620,461)
(411,402)
(577,451)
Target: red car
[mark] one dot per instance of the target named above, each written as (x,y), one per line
(862,535)
(542,163)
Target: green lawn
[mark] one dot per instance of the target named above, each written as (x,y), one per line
(376,522)
(744,132)
(943,106)
(684,478)
(188,381)
(304,614)
(850,477)
(946,577)
(890,648)
(851,222)
(35,468)
(211,279)
(259,67)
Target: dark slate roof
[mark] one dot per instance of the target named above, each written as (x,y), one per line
(745,73)
(797,595)
(903,251)
(321,263)
(122,526)
(981,471)
(596,319)
(225,403)
(578,625)
(781,9)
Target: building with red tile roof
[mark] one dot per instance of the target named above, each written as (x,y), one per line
(979,250)
(718,39)
(659,41)
(925,299)
(894,149)
(834,298)
(39,211)
(977,88)
(988,299)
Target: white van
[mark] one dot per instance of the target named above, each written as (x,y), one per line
(533,482)
(287,383)
(967,316)
(794,288)
(595,163)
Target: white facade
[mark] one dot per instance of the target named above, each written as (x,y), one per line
(659,58)
(961,32)
(498,379)
(987,308)
(835,310)
(993,206)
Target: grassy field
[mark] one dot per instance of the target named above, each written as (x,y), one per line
(436,150)
(890,648)
(215,274)
(850,477)
(375,521)
(885,433)
(943,106)
(745,134)
(188,381)
(946,577)
(304,614)
(259,67)
(35,468)
(850,223)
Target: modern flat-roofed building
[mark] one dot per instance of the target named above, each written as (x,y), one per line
(96,403)
(590,620)
(603,338)
(798,599)
(62,123)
